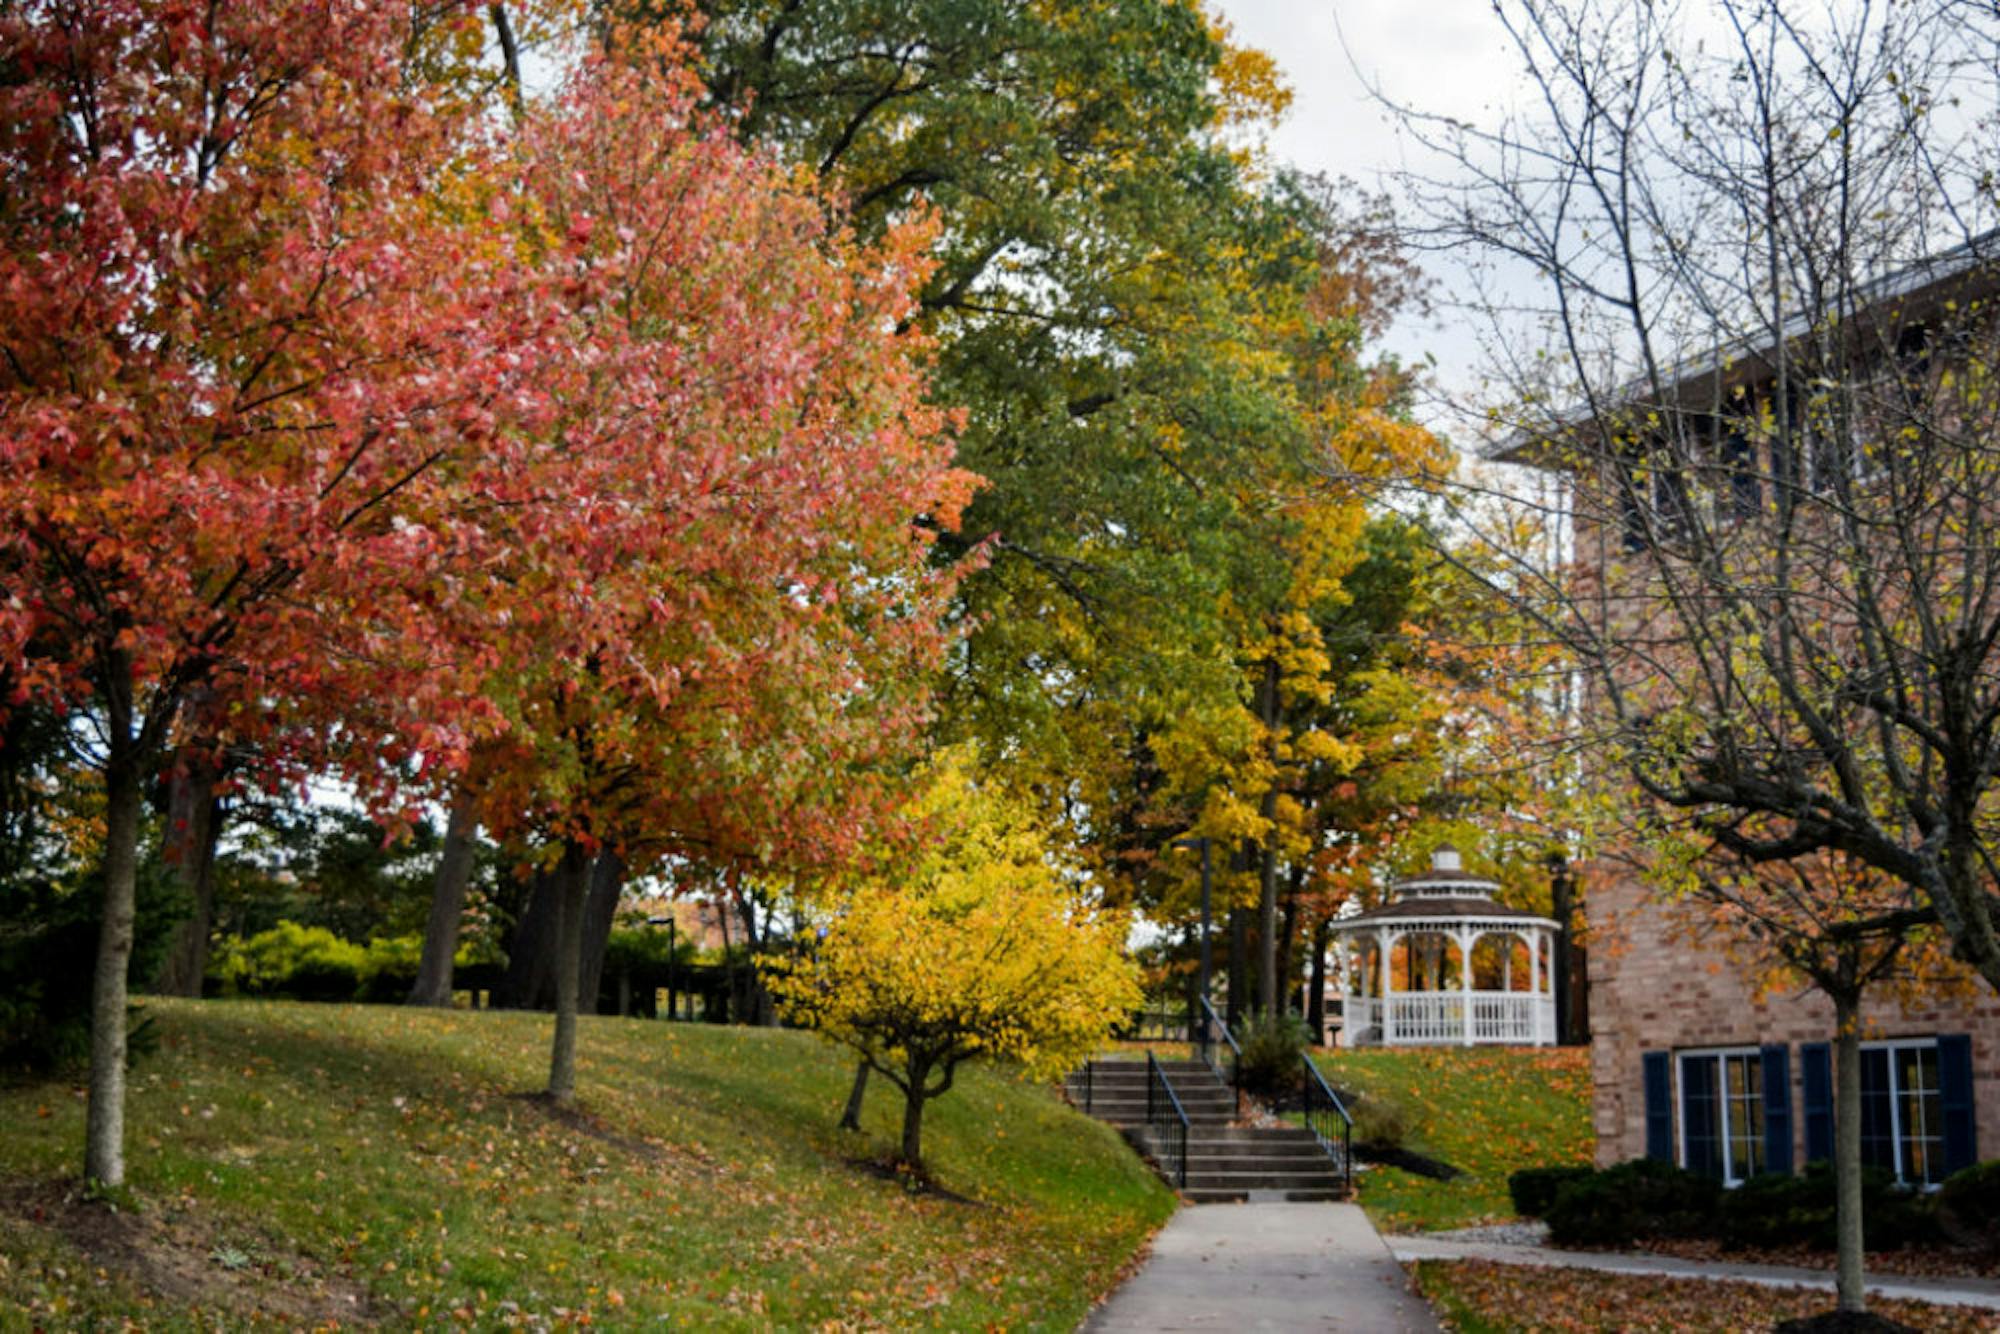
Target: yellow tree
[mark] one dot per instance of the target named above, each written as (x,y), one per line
(973,944)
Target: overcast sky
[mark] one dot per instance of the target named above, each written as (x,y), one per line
(1447,56)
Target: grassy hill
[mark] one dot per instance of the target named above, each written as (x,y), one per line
(299,1164)
(1489,1111)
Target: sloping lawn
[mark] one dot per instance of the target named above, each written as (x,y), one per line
(1488,1111)
(300,1164)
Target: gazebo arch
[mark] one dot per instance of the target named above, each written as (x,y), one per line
(1413,969)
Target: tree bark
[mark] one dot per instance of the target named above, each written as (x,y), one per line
(572,880)
(1562,907)
(1267,870)
(1848,1275)
(1239,965)
(1288,937)
(433,985)
(104,1134)
(529,982)
(607,883)
(1316,999)
(850,1119)
(913,1117)
(193,826)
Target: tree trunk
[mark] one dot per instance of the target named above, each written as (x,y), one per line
(104,1135)
(193,825)
(1288,937)
(1316,996)
(1562,907)
(1239,965)
(913,1117)
(572,879)
(1267,869)
(433,986)
(850,1119)
(607,883)
(529,982)
(1847,1151)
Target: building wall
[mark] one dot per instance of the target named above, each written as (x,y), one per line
(1655,987)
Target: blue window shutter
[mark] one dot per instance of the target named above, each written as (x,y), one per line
(1955,1101)
(1659,1107)
(1777,1108)
(1816,1079)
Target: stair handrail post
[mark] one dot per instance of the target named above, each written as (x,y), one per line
(1157,1078)
(1217,1023)
(1315,1090)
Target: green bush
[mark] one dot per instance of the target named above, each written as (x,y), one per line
(1533,1189)
(1380,1121)
(303,962)
(1639,1198)
(1777,1209)
(1968,1206)
(1274,1050)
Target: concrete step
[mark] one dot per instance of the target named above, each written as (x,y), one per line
(1262,1180)
(1233,1195)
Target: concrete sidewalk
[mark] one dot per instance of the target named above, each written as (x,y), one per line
(1979,1292)
(1267,1267)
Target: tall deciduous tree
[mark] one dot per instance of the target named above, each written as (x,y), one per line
(1109,261)
(242,359)
(720,618)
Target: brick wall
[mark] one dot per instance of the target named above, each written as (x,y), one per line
(1653,988)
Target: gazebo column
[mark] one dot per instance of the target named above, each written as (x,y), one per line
(1382,939)
(1535,1005)
(1465,939)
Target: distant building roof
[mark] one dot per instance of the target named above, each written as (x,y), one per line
(1925,285)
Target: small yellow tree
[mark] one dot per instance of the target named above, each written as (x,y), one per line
(975,945)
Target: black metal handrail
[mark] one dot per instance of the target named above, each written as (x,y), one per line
(1166,1117)
(1205,1047)
(1326,1116)
(1089,1087)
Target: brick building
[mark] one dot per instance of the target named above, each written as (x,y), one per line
(1688,1063)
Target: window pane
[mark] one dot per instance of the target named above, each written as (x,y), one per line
(1922,1149)
(1878,1142)
(1700,1116)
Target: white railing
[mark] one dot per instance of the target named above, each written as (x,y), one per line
(1513,1018)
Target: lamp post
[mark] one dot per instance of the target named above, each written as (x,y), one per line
(1200,1015)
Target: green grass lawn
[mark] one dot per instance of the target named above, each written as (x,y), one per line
(296,1164)
(1486,1110)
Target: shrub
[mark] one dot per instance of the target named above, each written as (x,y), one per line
(1380,1121)
(1777,1209)
(1533,1189)
(1639,1198)
(1968,1206)
(303,962)
(1274,1050)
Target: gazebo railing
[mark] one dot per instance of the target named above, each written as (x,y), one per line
(1514,1018)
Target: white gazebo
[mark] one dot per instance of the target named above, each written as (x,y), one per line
(1442,964)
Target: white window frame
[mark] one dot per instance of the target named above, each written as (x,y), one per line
(1892,1046)
(1718,1055)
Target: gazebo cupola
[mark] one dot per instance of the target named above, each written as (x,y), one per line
(1443,963)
